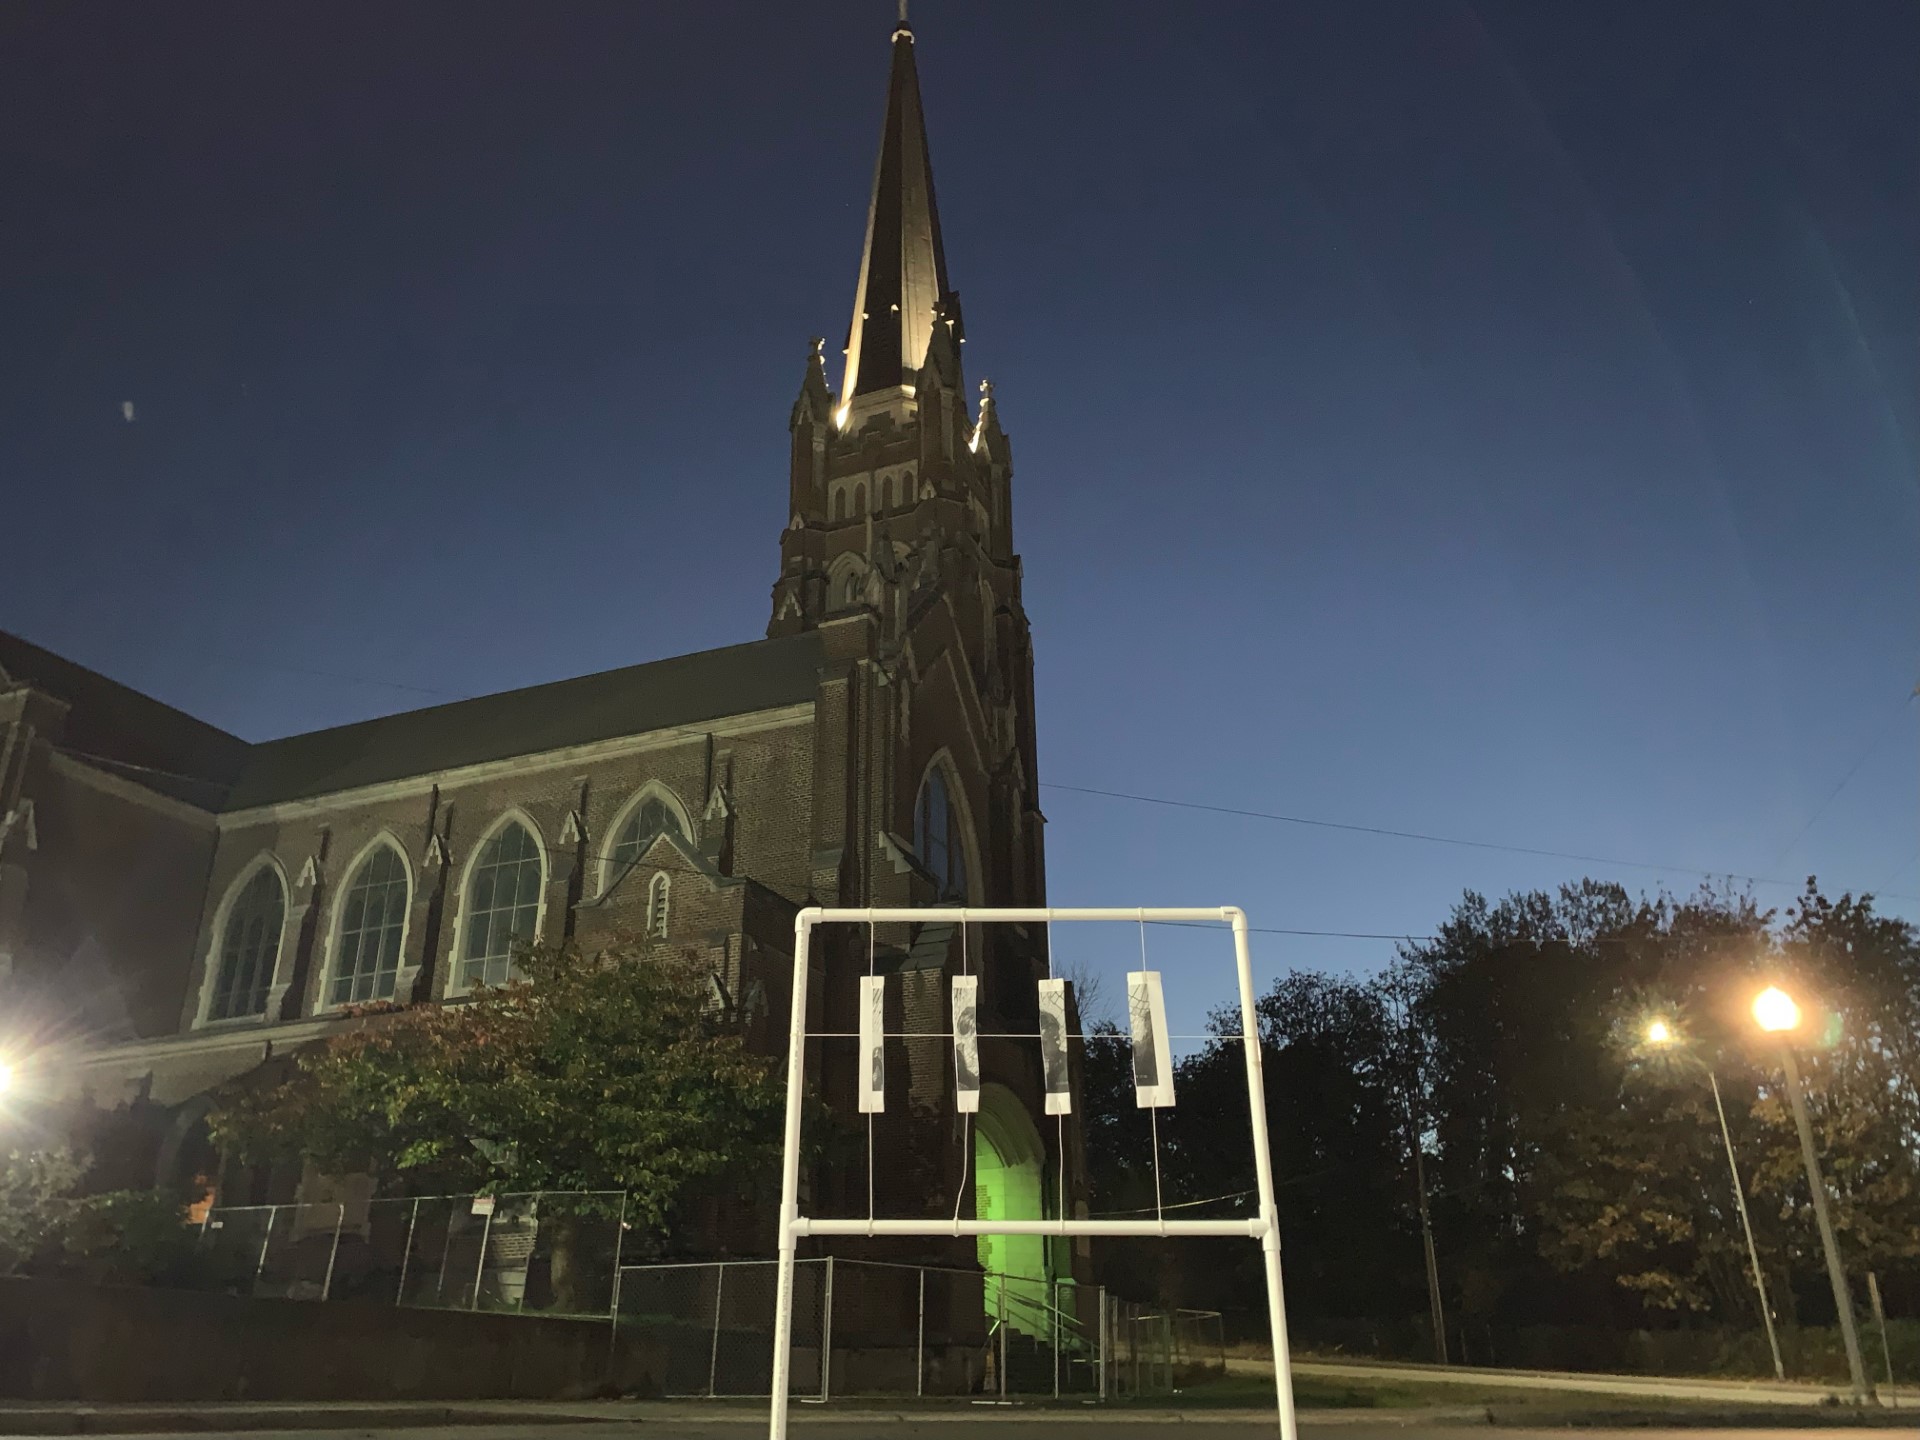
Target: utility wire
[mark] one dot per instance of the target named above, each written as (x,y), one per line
(1872,749)
(1429,838)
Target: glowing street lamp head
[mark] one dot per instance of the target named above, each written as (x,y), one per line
(1659,1032)
(1775,1010)
(6,1077)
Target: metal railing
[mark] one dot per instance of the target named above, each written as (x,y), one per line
(543,1252)
(863,1327)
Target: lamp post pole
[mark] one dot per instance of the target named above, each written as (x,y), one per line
(1746,1225)
(1836,1275)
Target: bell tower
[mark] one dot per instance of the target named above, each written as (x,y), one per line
(899,540)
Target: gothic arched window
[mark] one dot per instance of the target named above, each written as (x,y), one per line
(937,838)
(503,905)
(373,918)
(886,492)
(860,498)
(249,944)
(651,817)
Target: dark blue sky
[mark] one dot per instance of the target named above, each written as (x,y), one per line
(1491,420)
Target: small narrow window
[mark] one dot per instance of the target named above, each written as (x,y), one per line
(860,498)
(886,492)
(839,510)
(657,906)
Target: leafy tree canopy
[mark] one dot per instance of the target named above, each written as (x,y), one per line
(582,1073)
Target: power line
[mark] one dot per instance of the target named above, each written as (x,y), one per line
(1872,748)
(1429,838)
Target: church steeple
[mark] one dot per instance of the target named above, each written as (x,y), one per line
(903,269)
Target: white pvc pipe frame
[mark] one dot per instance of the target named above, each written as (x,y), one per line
(1264,1227)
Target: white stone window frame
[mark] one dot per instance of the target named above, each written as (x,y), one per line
(455,986)
(651,790)
(337,910)
(216,942)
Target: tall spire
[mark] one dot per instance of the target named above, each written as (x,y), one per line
(903,271)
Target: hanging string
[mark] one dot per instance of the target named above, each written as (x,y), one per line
(966,1120)
(871,929)
(1060,1144)
(1153,1111)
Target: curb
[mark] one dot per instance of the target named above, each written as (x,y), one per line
(174,1420)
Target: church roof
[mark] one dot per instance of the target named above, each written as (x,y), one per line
(685,690)
(169,751)
(165,749)
(903,269)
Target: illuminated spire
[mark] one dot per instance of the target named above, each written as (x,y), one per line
(903,272)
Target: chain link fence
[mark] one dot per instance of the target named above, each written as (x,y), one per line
(871,1328)
(546,1252)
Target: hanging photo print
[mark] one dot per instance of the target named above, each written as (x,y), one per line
(1152,1057)
(873,1030)
(966,1044)
(1053,1046)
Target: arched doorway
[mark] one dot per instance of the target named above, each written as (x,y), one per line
(1009,1183)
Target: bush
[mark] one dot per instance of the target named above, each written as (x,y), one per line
(32,1186)
(130,1237)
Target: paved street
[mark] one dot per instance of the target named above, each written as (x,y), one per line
(1001,1427)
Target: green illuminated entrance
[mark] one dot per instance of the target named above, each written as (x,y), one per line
(1009,1183)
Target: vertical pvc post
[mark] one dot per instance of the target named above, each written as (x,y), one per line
(339,1220)
(920,1343)
(790,1180)
(406,1254)
(713,1353)
(1263,1178)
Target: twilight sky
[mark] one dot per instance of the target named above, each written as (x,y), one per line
(1495,421)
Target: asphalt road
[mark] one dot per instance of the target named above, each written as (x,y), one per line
(742,1426)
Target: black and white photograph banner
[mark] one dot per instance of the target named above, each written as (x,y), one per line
(1152,1056)
(1053,1046)
(873,1030)
(966,1044)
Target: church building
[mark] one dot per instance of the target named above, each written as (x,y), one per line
(178,905)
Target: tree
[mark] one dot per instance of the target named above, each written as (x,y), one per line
(615,1071)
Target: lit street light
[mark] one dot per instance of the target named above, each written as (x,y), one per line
(1776,1012)
(6,1077)
(1661,1034)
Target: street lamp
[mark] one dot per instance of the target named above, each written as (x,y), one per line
(1777,1013)
(1660,1034)
(6,1077)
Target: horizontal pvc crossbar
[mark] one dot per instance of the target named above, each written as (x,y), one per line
(1253,1228)
(961,914)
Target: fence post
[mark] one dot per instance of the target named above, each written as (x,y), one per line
(826,1340)
(619,1245)
(406,1254)
(480,1266)
(266,1239)
(1100,1340)
(920,1343)
(1003,1337)
(1053,1329)
(339,1220)
(713,1351)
